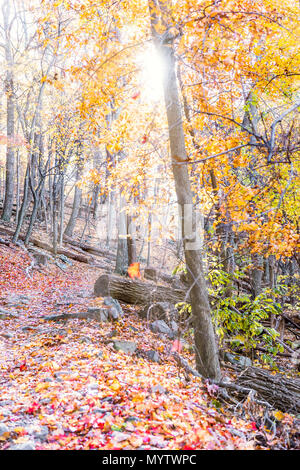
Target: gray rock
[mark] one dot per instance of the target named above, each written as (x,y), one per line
(152,355)
(235,359)
(65,259)
(85,339)
(160,326)
(115,310)
(111,311)
(99,313)
(30,445)
(3,429)
(174,326)
(94,386)
(38,432)
(61,266)
(94,313)
(40,258)
(128,347)
(158,389)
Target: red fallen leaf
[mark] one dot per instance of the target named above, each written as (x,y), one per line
(34,408)
(136,95)
(176,346)
(134,271)
(253,426)
(56,437)
(144,139)
(23,366)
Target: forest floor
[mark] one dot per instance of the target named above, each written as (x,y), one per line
(64,386)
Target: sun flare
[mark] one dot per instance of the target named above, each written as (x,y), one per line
(152,73)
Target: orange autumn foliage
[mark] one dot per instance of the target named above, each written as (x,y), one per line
(134,271)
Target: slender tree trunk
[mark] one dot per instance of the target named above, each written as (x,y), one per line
(131,243)
(55,205)
(207,359)
(111,212)
(10,154)
(256,274)
(18,186)
(23,205)
(122,248)
(62,209)
(75,208)
(149,238)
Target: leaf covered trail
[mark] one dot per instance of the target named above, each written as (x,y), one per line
(64,386)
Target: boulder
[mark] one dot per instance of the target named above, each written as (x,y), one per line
(236,359)
(38,431)
(158,389)
(41,259)
(160,326)
(99,313)
(152,355)
(29,445)
(65,259)
(115,310)
(128,347)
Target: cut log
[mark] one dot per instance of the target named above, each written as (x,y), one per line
(89,248)
(281,392)
(136,292)
(83,258)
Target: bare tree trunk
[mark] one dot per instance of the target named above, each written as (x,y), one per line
(55,206)
(95,203)
(10,120)
(75,208)
(122,248)
(18,186)
(256,274)
(22,212)
(149,238)
(62,209)
(131,243)
(207,360)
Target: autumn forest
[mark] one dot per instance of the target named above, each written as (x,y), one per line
(149,226)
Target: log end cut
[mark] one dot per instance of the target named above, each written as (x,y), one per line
(101,287)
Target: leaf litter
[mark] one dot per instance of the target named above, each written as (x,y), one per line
(64,386)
